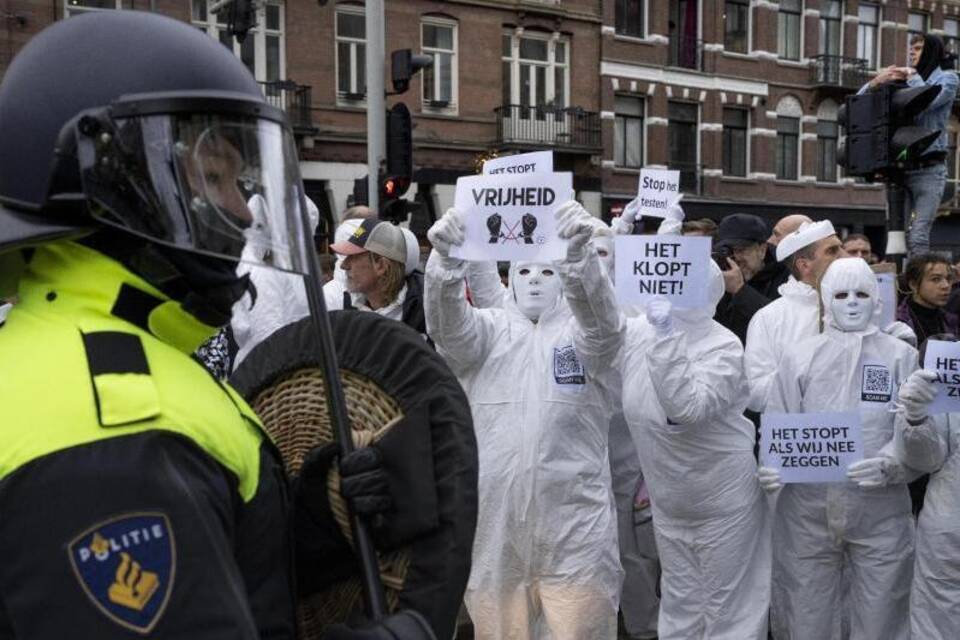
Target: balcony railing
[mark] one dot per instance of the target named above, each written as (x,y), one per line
(691,176)
(293,98)
(545,125)
(838,71)
(686,53)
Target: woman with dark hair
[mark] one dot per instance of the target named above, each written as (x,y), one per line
(930,64)
(928,278)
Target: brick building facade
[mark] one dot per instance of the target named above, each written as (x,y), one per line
(740,95)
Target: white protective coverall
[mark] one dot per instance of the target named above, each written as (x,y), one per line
(683,396)
(785,321)
(639,602)
(935,594)
(545,552)
(280,296)
(823,533)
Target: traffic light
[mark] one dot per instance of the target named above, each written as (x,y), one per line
(882,138)
(404,64)
(399,142)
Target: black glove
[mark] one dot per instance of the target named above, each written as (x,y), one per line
(318,539)
(406,625)
(363,483)
(493,226)
(529,224)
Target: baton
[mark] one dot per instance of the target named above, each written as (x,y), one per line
(374,599)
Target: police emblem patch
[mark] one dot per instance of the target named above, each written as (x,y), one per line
(126,566)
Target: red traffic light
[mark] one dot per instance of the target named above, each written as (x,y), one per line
(390,187)
(394,187)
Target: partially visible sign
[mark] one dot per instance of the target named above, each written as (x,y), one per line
(944,358)
(673,267)
(511,217)
(888,298)
(520,164)
(659,190)
(811,447)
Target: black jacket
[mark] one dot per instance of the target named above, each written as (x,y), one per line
(734,311)
(771,276)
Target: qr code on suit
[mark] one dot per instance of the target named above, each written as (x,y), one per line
(566,366)
(877,385)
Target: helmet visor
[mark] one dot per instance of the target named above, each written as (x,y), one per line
(224,185)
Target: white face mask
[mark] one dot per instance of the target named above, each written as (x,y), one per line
(851,309)
(536,287)
(604,247)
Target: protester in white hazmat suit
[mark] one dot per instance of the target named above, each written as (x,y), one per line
(795,314)
(683,398)
(933,446)
(859,531)
(280,296)
(639,600)
(537,375)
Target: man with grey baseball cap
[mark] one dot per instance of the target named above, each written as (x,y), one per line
(375,267)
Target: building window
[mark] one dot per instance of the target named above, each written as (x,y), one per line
(827,135)
(351,53)
(951,37)
(736,20)
(535,70)
(734,141)
(831,27)
(683,139)
(917,25)
(76,7)
(262,50)
(867,32)
(628,132)
(629,18)
(788,138)
(440,80)
(788,29)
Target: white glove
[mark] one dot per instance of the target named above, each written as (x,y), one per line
(670,227)
(576,226)
(872,473)
(623,225)
(447,231)
(658,315)
(769,478)
(675,212)
(916,394)
(901,331)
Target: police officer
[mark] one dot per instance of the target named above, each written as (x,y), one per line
(138,494)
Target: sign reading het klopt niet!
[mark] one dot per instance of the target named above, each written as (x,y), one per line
(673,267)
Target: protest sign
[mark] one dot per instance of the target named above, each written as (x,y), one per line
(511,217)
(811,447)
(659,190)
(673,267)
(944,358)
(888,297)
(521,163)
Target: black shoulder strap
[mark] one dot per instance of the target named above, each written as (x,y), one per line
(123,389)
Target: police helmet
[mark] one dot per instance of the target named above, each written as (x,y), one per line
(139,122)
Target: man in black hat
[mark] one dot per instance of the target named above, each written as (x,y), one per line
(740,250)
